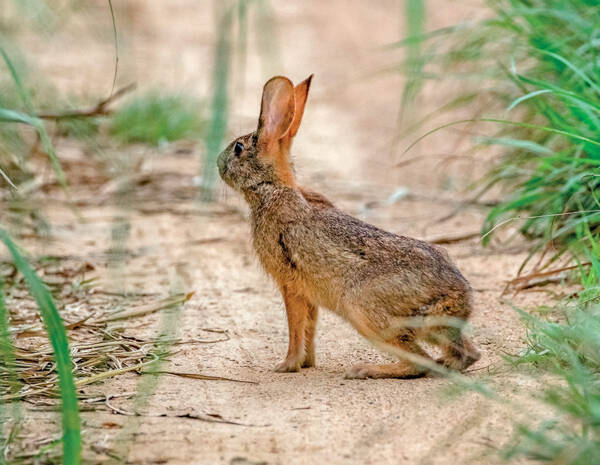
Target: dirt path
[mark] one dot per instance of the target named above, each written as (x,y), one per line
(176,243)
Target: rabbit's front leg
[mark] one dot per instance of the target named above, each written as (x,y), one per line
(310,328)
(297,310)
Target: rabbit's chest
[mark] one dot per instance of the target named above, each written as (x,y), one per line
(288,257)
(275,252)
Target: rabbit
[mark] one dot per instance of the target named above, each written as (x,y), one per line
(321,257)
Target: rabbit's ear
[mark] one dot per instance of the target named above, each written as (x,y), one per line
(276,110)
(300,96)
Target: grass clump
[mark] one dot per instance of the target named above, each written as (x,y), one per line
(78,128)
(10,115)
(546,57)
(537,63)
(60,348)
(555,75)
(569,349)
(158,119)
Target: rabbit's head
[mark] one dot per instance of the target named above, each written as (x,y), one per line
(263,155)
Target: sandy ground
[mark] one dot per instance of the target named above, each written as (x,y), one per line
(175,242)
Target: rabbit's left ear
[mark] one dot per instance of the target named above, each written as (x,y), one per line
(276,110)
(300,96)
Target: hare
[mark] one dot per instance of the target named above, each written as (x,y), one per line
(321,257)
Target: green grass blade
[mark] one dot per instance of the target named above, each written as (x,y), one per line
(505,122)
(528,145)
(116,39)
(12,116)
(415,25)
(425,36)
(7,356)
(21,90)
(36,123)
(6,347)
(7,179)
(527,97)
(220,102)
(60,345)
(579,72)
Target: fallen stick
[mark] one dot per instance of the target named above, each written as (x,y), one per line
(146,309)
(196,376)
(451,239)
(100,109)
(525,279)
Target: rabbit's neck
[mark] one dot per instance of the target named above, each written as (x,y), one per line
(259,196)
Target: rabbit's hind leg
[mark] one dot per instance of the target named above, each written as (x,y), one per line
(309,336)
(401,369)
(458,353)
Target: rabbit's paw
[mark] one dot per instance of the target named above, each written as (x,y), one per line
(390,370)
(309,360)
(289,365)
(360,371)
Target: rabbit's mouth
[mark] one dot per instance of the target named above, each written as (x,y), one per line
(222,165)
(223,169)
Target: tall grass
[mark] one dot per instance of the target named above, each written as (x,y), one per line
(28,117)
(18,108)
(8,369)
(232,21)
(537,62)
(555,74)
(219,105)
(25,115)
(415,17)
(569,349)
(60,345)
(149,118)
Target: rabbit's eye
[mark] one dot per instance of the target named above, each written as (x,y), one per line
(239,148)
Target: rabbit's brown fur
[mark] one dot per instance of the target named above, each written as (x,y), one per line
(321,257)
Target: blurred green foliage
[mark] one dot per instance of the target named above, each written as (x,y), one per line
(157,119)
(537,63)
(569,349)
(60,345)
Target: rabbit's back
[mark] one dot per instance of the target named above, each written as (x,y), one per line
(341,262)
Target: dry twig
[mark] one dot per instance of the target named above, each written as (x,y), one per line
(525,281)
(197,376)
(100,109)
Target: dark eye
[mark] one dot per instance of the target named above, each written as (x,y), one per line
(239,148)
